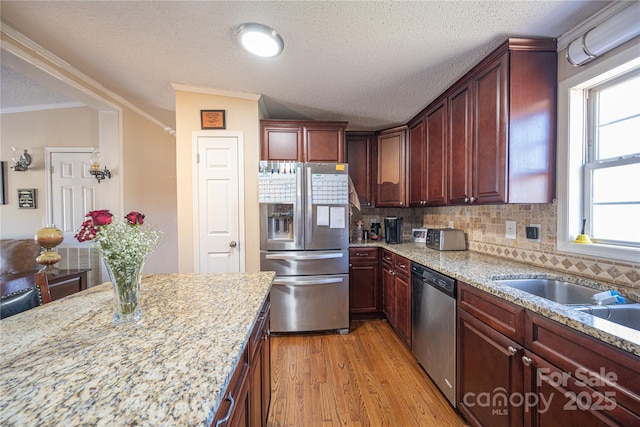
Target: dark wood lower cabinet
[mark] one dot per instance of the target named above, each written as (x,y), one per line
(364,283)
(556,377)
(247,398)
(396,294)
(489,371)
(234,408)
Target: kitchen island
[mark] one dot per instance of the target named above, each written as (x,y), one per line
(65,363)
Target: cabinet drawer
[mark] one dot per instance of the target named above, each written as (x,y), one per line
(257,335)
(387,256)
(599,365)
(507,318)
(402,265)
(357,255)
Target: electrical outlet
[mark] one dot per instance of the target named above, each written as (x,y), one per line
(511,230)
(450,224)
(533,232)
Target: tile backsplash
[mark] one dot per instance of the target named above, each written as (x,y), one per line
(484,226)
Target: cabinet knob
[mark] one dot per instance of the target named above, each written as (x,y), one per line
(473,199)
(350,265)
(526,361)
(511,350)
(466,200)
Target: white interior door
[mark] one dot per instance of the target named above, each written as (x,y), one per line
(218,203)
(72,191)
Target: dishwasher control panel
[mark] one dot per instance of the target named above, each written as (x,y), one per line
(445,283)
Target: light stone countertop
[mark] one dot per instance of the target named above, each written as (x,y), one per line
(66,364)
(481,271)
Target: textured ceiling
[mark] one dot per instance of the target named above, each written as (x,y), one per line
(374,64)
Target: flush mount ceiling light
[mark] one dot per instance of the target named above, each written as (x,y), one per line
(260,40)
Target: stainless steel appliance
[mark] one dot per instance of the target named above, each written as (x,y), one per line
(304,238)
(445,239)
(393,230)
(433,325)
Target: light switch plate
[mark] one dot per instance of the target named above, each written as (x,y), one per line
(510,230)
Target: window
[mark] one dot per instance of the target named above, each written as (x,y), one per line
(612,167)
(598,163)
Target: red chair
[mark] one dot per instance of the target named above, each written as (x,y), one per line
(22,294)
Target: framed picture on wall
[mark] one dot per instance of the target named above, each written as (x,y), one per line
(212,119)
(3,188)
(27,198)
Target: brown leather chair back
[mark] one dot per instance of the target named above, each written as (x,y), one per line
(22,294)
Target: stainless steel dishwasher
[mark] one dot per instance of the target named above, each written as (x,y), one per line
(433,324)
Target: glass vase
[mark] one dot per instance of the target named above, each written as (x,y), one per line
(125,278)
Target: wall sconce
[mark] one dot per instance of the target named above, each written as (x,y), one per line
(95,170)
(22,162)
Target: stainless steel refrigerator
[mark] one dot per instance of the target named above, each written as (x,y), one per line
(304,238)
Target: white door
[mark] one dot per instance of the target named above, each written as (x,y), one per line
(218,201)
(72,191)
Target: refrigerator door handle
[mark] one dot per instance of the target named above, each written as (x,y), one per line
(305,257)
(325,281)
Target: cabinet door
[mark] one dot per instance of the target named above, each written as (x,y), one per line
(360,155)
(391,179)
(324,143)
(563,400)
(255,389)
(490,122)
(417,193)
(460,145)
(436,152)
(389,293)
(403,308)
(266,368)
(281,142)
(363,288)
(489,372)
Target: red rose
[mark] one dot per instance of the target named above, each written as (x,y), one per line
(135,218)
(87,231)
(101,217)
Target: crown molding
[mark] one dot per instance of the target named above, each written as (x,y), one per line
(214,91)
(28,50)
(42,107)
(595,19)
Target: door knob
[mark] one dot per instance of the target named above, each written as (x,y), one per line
(232,244)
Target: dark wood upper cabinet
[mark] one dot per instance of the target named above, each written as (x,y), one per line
(324,142)
(281,141)
(360,157)
(460,144)
(427,157)
(436,143)
(502,126)
(302,141)
(391,171)
(417,192)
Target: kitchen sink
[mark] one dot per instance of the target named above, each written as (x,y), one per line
(626,314)
(554,290)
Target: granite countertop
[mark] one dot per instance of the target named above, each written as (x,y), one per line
(481,271)
(65,363)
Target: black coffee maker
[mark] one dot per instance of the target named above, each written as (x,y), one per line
(393,230)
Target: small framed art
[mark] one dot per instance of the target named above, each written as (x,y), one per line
(213,119)
(27,198)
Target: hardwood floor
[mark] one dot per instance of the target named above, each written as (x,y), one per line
(365,378)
